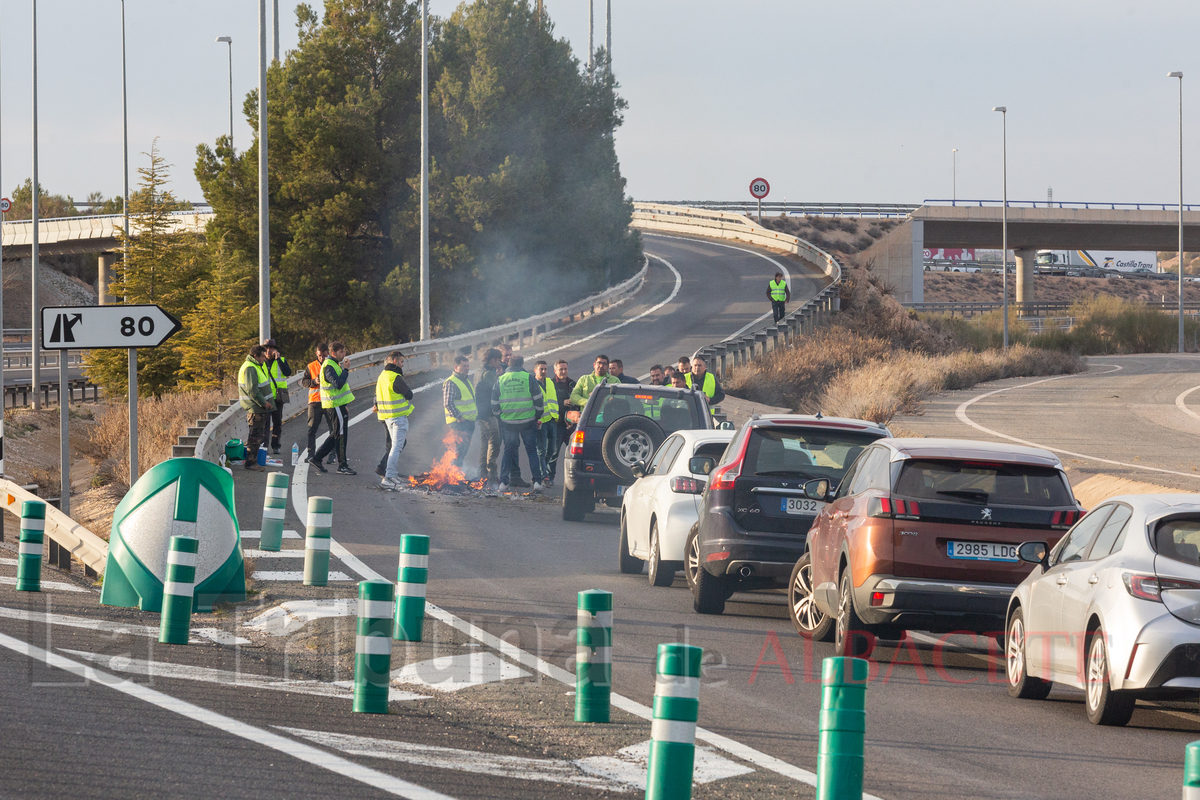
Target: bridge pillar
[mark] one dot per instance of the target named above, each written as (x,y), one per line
(1026,260)
(104,263)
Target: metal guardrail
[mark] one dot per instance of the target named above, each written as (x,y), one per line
(207,438)
(61,530)
(859,210)
(1039,309)
(803,321)
(1062,204)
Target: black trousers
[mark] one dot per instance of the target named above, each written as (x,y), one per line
(339,425)
(275,423)
(315,415)
(777,309)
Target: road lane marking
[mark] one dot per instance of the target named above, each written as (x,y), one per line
(300,750)
(57,586)
(286,534)
(961,414)
(1183,406)
(283,575)
(42,618)
(462,671)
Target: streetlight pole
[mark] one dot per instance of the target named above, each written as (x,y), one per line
(954,177)
(1180,76)
(275,22)
(264,222)
(35,364)
(424,169)
(133,359)
(1004,218)
(229,41)
(591,46)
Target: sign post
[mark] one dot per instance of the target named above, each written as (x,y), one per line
(5,206)
(66,328)
(759,188)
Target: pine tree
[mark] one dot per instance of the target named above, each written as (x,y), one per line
(222,328)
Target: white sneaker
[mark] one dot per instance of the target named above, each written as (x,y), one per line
(388,485)
(537,487)
(503,487)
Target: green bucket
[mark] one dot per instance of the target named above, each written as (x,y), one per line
(235,450)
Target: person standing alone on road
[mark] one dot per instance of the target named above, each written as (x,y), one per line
(312,381)
(779,294)
(392,407)
(458,401)
(547,432)
(489,428)
(279,371)
(518,403)
(335,396)
(254,395)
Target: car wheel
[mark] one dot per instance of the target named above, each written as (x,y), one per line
(630,565)
(1020,683)
(691,556)
(627,441)
(574,505)
(852,637)
(808,620)
(662,573)
(1104,706)
(709,593)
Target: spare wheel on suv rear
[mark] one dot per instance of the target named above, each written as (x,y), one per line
(628,440)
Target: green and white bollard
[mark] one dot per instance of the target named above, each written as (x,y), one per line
(316,541)
(178,591)
(593,655)
(842,728)
(29,548)
(274,506)
(412,575)
(673,731)
(373,647)
(1191,772)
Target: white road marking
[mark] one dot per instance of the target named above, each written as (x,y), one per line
(462,671)
(258,534)
(8,562)
(1183,406)
(57,586)
(623,772)
(289,617)
(961,413)
(273,554)
(306,753)
(41,618)
(269,575)
(245,680)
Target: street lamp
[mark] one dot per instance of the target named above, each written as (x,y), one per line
(1004,218)
(954,179)
(229,41)
(1180,76)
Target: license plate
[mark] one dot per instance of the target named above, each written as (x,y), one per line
(620,490)
(982,551)
(801,505)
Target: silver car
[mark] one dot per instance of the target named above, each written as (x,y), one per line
(1113,609)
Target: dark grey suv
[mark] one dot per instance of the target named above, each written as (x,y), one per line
(755,517)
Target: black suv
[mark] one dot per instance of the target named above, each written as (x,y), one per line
(755,517)
(621,425)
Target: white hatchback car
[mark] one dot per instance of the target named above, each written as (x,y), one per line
(659,509)
(1113,608)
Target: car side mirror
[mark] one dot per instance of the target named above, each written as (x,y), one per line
(638,469)
(1033,552)
(701,465)
(817,490)
(725,426)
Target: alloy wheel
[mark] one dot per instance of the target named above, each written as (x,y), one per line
(1016,651)
(1097,671)
(804,608)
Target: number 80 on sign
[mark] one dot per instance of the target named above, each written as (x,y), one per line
(759,188)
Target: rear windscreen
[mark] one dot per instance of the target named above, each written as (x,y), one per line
(983,483)
(803,452)
(670,411)
(1179,539)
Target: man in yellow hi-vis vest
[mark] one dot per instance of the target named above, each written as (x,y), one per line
(458,401)
(392,407)
(335,396)
(779,294)
(547,434)
(254,395)
(700,379)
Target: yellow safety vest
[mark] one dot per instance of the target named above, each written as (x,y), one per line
(516,400)
(465,404)
(330,397)
(709,388)
(388,402)
(278,381)
(549,399)
(264,380)
(778,290)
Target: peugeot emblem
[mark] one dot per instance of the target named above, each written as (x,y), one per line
(987,513)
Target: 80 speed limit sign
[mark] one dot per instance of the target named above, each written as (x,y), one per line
(759,188)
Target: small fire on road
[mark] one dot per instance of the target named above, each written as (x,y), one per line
(445,474)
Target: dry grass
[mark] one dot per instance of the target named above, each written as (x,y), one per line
(160,423)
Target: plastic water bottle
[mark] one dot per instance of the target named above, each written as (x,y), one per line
(295,454)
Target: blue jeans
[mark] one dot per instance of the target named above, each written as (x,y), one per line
(514,437)
(397,428)
(547,447)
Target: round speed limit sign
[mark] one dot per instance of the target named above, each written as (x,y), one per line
(5,205)
(759,188)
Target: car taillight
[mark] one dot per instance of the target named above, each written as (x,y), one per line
(577,443)
(726,476)
(1151,587)
(1065,518)
(890,507)
(687,485)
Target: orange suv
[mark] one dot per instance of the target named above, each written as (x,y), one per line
(922,534)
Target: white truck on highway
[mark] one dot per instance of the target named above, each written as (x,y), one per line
(1121,261)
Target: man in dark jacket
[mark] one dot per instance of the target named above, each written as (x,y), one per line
(335,398)
(616,368)
(487,424)
(279,370)
(563,384)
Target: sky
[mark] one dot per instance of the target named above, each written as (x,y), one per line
(830,102)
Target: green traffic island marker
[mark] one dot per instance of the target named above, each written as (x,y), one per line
(1191,772)
(30,546)
(373,647)
(274,508)
(179,591)
(412,578)
(316,541)
(842,728)
(673,730)
(593,656)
